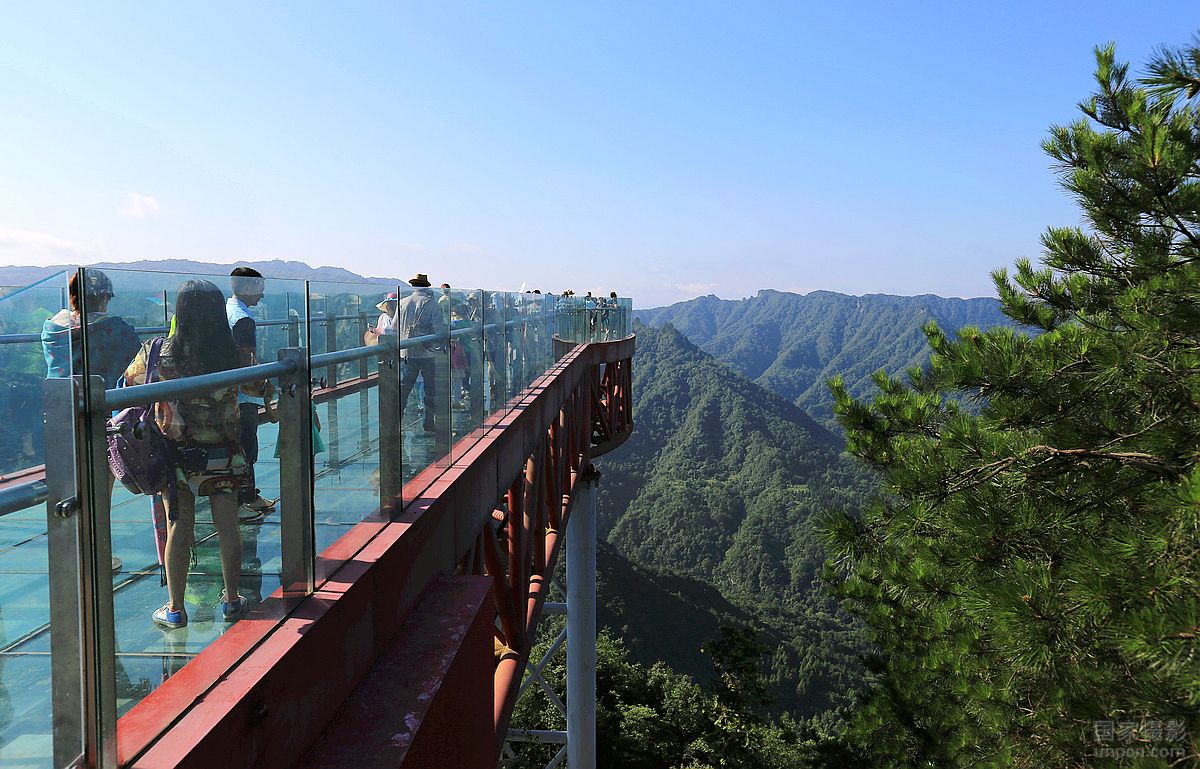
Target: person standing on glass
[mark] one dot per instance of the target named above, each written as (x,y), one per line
(248,288)
(205,432)
(111,341)
(419,314)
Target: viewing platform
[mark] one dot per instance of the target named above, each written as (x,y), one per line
(392,592)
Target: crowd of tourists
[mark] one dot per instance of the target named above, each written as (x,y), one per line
(210,437)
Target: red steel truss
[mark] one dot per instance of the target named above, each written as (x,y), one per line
(594,418)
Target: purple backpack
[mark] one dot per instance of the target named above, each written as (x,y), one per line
(139,454)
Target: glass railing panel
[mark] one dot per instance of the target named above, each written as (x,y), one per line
(517,374)
(24,313)
(423,339)
(354,319)
(442,428)
(467,403)
(27,315)
(592,319)
(495,315)
(544,332)
(624,314)
(518,344)
(199,557)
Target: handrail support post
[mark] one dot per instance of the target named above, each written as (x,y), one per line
(296,476)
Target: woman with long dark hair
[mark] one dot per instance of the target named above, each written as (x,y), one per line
(206,433)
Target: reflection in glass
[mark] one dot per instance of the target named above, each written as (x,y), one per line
(479,348)
(25,617)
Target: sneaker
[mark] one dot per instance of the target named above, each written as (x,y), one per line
(259,504)
(116,564)
(166,618)
(231,610)
(256,508)
(246,515)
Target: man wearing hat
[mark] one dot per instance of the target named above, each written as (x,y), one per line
(417,315)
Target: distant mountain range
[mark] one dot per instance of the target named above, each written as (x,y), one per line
(275,268)
(792,344)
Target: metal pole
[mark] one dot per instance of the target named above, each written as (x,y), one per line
(364,408)
(99,621)
(331,379)
(390,465)
(296,476)
(65,557)
(293,327)
(581,627)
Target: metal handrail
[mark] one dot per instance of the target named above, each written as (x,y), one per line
(22,496)
(143,330)
(6,339)
(171,389)
(31,493)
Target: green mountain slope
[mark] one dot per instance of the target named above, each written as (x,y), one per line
(793,344)
(662,617)
(717,484)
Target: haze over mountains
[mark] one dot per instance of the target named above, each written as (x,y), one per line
(792,344)
(18,275)
(707,508)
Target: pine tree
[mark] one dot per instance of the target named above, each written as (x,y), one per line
(1031,575)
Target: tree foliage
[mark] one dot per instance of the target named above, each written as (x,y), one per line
(650,717)
(1035,568)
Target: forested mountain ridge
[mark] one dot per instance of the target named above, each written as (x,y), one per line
(717,485)
(792,344)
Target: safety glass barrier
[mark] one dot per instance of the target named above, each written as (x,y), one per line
(353,429)
(585,319)
(517,342)
(423,340)
(40,612)
(468,404)
(180,398)
(495,348)
(288,412)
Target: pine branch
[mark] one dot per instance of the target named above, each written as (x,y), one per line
(1140,460)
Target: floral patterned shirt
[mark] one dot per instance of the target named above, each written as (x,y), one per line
(209,418)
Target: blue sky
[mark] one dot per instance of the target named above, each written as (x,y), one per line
(663,150)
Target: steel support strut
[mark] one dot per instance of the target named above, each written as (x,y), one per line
(581,627)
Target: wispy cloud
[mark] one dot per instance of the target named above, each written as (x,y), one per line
(35,244)
(138,206)
(695,288)
(465,248)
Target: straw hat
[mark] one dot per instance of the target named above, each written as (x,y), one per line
(386,304)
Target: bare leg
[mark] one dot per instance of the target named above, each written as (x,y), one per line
(179,544)
(224,514)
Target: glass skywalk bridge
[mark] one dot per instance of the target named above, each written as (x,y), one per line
(78,650)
